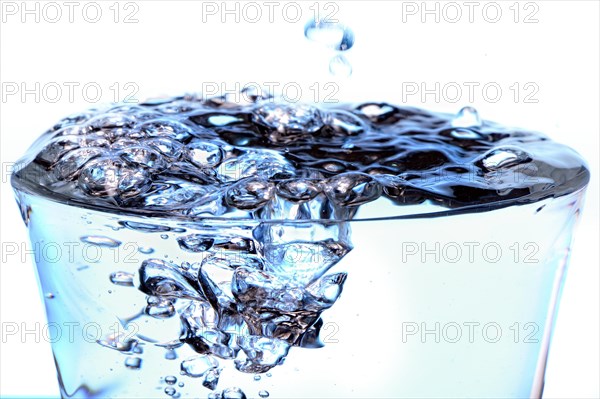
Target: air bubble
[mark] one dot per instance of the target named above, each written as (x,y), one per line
(198,366)
(290,118)
(122,278)
(166,128)
(233,393)
(203,154)
(249,194)
(107,177)
(143,157)
(101,241)
(170,379)
(69,166)
(132,362)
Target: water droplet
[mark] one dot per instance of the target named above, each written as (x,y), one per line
(170,379)
(332,35)
(146,250)
(164,236)
(340,66)
(233,393)
(181,385)
(132,362)
(101,241)
(122,278)
(263,394)
(214,395)
(269,374)
(467,117)
(50,295)
(170,391)
(257,377)
(171,354)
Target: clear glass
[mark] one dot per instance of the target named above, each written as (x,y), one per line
(457,305)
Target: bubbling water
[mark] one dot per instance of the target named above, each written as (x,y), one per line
(300,173)
(193,157)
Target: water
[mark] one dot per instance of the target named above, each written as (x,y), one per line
(225,241)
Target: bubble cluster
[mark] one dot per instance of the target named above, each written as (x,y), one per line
(256,158)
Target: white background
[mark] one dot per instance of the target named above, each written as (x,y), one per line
(172,50)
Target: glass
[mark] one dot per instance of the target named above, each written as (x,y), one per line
(449,303)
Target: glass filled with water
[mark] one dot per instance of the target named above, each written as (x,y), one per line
(248,247)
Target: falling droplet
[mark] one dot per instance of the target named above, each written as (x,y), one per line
(101,241)
(263,394)
(170,379)
(132,362)
(332,35)
(122,278)
(340,66)
(467,117)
